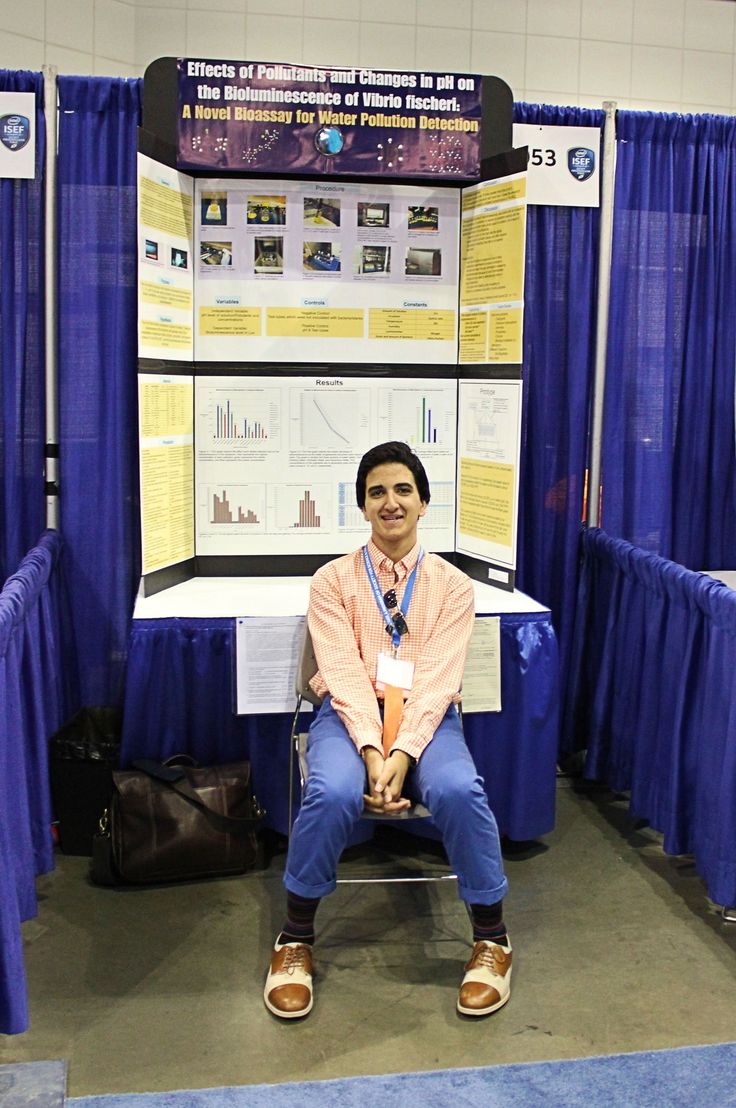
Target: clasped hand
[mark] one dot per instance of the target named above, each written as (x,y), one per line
(385,781)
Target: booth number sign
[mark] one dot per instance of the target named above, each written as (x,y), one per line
(564,164)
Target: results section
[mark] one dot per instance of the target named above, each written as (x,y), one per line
(275,459)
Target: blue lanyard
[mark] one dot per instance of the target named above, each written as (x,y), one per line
(405,600)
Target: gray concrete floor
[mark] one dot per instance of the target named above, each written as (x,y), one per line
(616,949)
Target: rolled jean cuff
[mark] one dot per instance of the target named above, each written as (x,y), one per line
(309,891)
(473,896)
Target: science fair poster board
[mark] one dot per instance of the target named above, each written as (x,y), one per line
(276,458)
(348,275)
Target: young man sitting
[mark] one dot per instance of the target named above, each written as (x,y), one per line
(390,625)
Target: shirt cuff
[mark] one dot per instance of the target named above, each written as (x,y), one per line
(411,744)
(412,760)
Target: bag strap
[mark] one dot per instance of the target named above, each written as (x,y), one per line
(176,779)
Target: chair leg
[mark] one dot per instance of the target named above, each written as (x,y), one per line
(293,740)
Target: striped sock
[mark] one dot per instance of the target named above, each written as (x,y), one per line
(488,924)
(299,925)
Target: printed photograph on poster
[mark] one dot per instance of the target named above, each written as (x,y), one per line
(322,257)
(321,212)
(276,459)
(488,450)
(166,248)
(326,272)
(213,209)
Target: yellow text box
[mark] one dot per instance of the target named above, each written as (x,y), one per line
(506,333)
(165,209)
(169,336)
(166,296)
(492,267)
(431,324)
(166,409)
(230,321)
(322,323)
(167,510)
(486,500)
(473,336)
(498,193)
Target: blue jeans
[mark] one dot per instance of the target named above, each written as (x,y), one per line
(445,780)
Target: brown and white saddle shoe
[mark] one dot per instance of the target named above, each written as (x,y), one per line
(486,985)
(288,991)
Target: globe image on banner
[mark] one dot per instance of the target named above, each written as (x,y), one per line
(329,141)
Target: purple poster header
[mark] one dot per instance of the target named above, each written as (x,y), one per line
(269,117)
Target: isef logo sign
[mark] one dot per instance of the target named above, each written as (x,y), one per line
(581,162)
(17,134)
(15,131)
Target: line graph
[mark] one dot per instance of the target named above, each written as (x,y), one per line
(322,419)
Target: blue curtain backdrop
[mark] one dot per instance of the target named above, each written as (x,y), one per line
(668,446)
(97,370)
(559,353)
(22,402)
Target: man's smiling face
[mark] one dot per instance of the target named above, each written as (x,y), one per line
(393,508)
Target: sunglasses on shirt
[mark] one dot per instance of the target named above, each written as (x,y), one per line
(399,623)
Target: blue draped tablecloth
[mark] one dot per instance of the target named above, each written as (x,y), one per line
(179,698)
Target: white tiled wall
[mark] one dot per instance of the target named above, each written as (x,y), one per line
(667,55)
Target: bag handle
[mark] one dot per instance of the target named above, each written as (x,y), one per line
(181,760)
(176,779)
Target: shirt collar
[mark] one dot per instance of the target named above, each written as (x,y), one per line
(382,561)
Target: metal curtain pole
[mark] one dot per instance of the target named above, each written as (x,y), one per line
(604,292)
(50,307)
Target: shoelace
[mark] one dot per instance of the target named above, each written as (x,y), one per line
(486,956)
(296,959)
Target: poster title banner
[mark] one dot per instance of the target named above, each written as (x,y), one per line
(279,118)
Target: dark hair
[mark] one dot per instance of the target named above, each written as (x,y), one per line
(385,453)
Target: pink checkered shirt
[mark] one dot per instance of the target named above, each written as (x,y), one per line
(348,633)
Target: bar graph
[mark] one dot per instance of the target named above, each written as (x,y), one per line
(222,512)
(426,433)
(238,416)
(304,507)
(421,414)
(236,505)
(228,427)
(308,516)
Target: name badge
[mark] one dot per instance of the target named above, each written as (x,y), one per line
(394,671)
